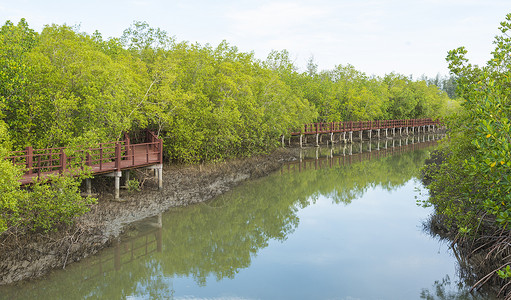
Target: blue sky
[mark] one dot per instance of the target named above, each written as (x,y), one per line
(410,37)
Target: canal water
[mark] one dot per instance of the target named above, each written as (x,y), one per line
(339,223)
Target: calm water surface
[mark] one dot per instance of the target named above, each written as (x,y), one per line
(333,226)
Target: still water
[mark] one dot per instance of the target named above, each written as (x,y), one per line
(329,226)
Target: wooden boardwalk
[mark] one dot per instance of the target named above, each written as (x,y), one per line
(346,129)
(107,158)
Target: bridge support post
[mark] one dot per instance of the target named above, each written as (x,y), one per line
(360,134)
(369,132)
(332,138)
(351,136)
(88,186)
(158,170)
(117,180)
(317,139)
(301,139)
(378,133)
(400,131)
(126,177)
(344,137)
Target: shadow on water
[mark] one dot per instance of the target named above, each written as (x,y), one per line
(221,237)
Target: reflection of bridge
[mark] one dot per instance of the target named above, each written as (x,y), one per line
(345,130)
(347,156)
(130,249)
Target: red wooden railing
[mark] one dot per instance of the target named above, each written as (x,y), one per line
(346,126)
(107,157)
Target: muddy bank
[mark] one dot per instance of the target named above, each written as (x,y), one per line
(32,256)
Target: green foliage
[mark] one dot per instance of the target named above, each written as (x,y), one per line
(133,185)
(473,185)
(52,202)
(505,272)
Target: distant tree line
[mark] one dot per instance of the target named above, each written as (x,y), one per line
(62,87)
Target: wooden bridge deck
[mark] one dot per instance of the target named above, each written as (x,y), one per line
(107,158)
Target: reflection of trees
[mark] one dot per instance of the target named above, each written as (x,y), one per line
(220,237)
(445,289)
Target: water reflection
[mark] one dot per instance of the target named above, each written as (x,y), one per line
(220,240)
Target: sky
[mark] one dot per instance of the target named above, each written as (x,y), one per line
(377,37)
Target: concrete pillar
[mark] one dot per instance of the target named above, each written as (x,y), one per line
(301,139)
(351,136)
(386,144)
(160,177)
(117,186)
(360,135)
(393,131)
(369,133)
(378,133)
(332,138)
(117,182)
(344,137)
(126,177)
(400,131)
(317,140)
(351,149)
(88,185)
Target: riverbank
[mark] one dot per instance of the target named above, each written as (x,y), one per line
(32,256)
(481,253)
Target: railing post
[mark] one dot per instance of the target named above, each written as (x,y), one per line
(161,151)
(100,157)
(29,158)
(118,157)
(63,160)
